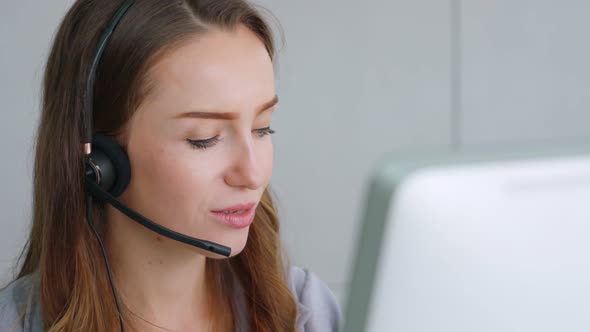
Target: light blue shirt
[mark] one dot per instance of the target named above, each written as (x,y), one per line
(317,308)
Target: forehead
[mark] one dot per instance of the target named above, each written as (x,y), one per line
(229,70)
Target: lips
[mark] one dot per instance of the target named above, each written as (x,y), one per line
(236,216)
(236,208)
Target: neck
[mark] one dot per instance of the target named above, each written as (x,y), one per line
(159,280)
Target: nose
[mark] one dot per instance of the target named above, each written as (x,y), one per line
(245,170)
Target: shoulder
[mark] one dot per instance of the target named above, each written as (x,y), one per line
(10,316)
(317,305)
(16,304)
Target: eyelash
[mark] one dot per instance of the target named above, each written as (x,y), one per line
(209,142)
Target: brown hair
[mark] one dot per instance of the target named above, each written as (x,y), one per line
(61,247)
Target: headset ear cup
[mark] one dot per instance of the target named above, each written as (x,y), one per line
(113,163)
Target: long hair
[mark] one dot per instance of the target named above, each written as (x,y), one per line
(61,248)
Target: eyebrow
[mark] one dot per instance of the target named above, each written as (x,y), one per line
(227,115)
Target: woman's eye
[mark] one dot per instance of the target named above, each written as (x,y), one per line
(203,144)
(264,131)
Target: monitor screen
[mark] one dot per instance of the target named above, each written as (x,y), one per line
(475,244)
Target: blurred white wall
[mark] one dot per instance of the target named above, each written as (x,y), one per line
(357,80)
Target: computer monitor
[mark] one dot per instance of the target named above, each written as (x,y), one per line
(466,243)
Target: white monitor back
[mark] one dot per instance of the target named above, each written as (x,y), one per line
(475,244)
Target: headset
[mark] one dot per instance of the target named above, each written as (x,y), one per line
(108,170)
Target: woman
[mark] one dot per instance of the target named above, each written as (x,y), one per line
(186,89)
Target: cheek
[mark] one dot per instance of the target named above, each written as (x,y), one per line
(170,182)
(185,176)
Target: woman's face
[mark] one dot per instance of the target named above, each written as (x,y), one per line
(200,141)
